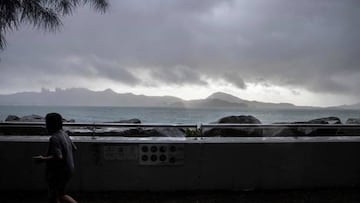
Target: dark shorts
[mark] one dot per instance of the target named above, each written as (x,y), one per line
(57,184)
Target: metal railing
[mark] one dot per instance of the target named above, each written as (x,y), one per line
(98,125)
(200,127)
(102,133)
(171,125)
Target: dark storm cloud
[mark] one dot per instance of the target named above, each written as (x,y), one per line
(89,67)
(311,44)
(235,79)
(177,75)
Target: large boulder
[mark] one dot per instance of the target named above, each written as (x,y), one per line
(133,120)
(239,119)
(121,132)
(32,118)
(164,132)
(24,130)
(12,118)
(355,131)
(286,132)
(325,120)
(131,132)
(113,131)
(68,121)
(124,132)
(235,132)
(353,121)
(324,131)
(309,131)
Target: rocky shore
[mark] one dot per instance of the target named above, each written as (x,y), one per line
(281,130)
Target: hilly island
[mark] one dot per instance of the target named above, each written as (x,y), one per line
(108,97)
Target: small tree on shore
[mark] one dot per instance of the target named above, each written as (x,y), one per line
(43,14)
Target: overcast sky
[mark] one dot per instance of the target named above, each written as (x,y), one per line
(304,52)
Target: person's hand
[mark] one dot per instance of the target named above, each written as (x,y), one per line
(38,159)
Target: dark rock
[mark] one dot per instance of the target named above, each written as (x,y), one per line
(126,132)
(324,131)
(133,120)
(20,130)
(326,120)
(235,132)
(285,131)
(32,118)
(353,121)
(68,121)
(351,131)
(239,119)
(122,132)
(130,132)
(11,118)
(288,132)
(309,131)
(165,132)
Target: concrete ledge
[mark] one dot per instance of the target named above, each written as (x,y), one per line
(109,164)
(185,140)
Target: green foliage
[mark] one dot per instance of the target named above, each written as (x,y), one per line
(191,132)
(44,14)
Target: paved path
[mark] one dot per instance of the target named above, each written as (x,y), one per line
(306,196)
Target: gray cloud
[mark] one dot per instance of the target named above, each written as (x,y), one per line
(235,79)
(310,44)
(177,75)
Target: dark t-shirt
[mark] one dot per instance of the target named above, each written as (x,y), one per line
(60,145)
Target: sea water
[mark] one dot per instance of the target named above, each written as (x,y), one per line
(175,115)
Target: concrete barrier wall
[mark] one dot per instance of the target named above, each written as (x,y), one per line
(117,164)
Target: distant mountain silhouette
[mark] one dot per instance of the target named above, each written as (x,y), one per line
(250,104)
(212,103)
(226,97)
(351,106)
(86,97)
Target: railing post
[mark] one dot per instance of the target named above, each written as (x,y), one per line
(199,129)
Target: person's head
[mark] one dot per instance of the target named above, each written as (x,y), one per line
(54,122)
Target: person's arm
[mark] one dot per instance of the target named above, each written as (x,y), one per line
(54,153)
(73,146)
(47,158)
(41,158)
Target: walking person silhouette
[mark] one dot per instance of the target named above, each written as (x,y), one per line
(59,160)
